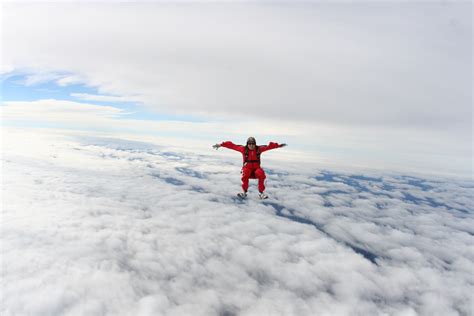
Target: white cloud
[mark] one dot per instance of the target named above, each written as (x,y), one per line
(58,110)
(41,76)
(101,98)
(95,225)
(67,80)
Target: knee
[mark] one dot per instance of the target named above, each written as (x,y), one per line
(260,174)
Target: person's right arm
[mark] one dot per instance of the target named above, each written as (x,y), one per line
(230,145)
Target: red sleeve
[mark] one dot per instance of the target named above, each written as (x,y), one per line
(233,146)
(270,146)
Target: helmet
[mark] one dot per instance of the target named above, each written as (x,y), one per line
(251,140)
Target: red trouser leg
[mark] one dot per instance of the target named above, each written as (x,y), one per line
(260,174)
(246,172)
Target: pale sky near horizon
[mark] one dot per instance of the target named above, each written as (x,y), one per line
(386,85)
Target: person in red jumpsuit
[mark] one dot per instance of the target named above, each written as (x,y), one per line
(251,158)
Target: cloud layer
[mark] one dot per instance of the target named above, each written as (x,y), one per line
(98,225)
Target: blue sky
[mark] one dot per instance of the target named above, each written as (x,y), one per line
(16,88)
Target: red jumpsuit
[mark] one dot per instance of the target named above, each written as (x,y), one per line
(251,168)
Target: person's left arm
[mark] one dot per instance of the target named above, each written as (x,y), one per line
(270,146)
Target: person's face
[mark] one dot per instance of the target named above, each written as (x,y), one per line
(251,145)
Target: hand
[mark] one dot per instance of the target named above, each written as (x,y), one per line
(216,146)
(283,145)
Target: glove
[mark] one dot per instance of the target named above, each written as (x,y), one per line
(283,145)
(216,146)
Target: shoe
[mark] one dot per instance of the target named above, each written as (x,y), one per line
(263,196)
(242,195)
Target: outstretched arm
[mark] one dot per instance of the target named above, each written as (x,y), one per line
(271,146)
(230,145)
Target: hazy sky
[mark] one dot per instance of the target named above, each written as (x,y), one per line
(384,84)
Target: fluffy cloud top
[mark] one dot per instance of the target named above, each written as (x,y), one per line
(98,225)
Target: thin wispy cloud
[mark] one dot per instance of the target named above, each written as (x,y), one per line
(58,110)
(101,98)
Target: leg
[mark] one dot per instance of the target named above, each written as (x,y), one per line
(260,174)
(246,172)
